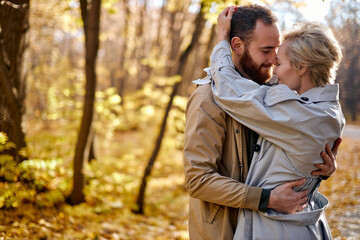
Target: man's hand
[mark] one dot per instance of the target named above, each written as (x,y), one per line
(224,23)
(329,166)
(285,200)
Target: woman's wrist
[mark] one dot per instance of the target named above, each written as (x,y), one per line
(223,35)
(224,23)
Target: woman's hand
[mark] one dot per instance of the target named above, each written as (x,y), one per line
(224,23)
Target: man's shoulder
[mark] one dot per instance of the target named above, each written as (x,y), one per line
(202,110)
(203,95)
(202,100)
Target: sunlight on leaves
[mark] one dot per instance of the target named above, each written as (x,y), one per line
(3,138)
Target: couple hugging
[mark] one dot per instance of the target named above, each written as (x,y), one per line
(257,147)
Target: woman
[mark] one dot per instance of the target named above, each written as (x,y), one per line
(294,119)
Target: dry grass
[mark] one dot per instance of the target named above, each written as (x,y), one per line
(343,191)
(166,201)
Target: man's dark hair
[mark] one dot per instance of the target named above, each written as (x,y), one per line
(244,20)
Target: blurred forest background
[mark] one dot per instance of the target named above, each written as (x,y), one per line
(92,102)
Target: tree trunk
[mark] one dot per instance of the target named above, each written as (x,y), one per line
(199,25)
(91,155)
(175,37)
(91,19)
(121,80)
(14,23)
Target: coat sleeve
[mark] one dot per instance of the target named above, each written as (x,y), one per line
(276,113)
(204,138)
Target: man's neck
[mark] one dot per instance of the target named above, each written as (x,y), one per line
(242,74)
(245,75)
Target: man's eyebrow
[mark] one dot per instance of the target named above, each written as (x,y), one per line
(269,47)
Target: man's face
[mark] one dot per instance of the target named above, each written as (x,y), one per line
(260,54)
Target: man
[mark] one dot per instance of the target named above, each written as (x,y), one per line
(218,150)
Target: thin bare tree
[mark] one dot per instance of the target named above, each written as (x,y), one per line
(90,13)
(199,25)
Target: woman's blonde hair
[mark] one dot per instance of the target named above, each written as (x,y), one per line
(314,45)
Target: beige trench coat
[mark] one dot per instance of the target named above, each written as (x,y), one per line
(293,129)
(215,163)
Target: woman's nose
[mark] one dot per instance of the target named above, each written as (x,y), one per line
(275,69)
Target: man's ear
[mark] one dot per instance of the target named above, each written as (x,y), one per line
(237,45)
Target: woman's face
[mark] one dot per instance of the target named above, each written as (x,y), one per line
(285,72)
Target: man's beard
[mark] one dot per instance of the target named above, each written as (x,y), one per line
(252,70)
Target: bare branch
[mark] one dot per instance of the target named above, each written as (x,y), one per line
(21,7)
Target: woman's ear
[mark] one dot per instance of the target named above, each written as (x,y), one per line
(237,45)
(302,70)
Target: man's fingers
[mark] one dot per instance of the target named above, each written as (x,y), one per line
(328,150)
(336,146)
(302,200)
(295,183)
(317,172)
(322,168)
(303,194)
(329,165)
(301,207)
(326,156)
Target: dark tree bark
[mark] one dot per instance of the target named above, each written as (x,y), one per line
(14,23)
(91,18)
(199,25)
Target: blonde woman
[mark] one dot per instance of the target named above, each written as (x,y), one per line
(294,119)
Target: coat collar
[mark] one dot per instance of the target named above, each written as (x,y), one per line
(205,80)
(328,93)
(281,92)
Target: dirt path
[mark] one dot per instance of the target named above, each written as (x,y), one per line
(352,131)
(349,224)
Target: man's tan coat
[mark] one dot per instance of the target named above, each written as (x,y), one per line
(215,162)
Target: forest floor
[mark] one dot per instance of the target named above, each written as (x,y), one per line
(115,178)
(344,210)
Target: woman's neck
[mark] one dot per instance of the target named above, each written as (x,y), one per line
(306,84)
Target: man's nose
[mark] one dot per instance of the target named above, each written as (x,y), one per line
(272,58)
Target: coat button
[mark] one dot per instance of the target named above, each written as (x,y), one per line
(257,147)
(304,98)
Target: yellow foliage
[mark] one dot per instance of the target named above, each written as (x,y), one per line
(180,102)
(3,138)
(148,111)
(213,8)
